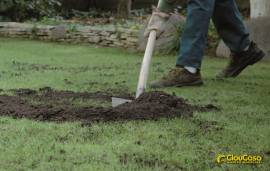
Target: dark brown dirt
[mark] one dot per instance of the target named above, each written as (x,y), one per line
(58,106)
(48,94)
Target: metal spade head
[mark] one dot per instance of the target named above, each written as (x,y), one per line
(118,101)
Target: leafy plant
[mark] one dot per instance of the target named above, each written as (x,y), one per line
(213,39)
(19,10)
(5,4)
(92,13)
(72,28)
(50,20)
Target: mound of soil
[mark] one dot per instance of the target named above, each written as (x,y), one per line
(149,106)
(48,94)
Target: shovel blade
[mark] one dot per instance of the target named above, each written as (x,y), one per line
(118,101)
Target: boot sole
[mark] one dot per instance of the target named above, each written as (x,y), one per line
(195,83)
(251,61)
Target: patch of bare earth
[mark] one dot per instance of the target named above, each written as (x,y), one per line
(58,106)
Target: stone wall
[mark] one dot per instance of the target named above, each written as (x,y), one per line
(110,36)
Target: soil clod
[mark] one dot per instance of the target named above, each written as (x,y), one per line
(48,106)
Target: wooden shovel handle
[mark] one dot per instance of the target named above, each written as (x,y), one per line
(146,63)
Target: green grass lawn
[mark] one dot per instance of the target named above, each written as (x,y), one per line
(241,127)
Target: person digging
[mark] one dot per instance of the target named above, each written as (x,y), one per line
(229,24)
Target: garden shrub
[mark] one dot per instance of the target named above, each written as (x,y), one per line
(20,10)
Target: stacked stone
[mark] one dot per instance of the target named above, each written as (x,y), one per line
(110,37)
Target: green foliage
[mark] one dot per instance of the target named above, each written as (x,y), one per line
(72,28)
(19,10)
(92,13)
(34,30)
(213,39)
(5,4)
(50,20)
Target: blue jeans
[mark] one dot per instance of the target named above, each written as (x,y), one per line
(227,20)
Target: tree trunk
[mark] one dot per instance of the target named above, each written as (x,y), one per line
(123,8)
(260,8)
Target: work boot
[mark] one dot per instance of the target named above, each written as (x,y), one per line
(178,77)
(239,61)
